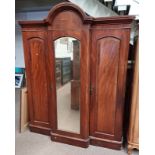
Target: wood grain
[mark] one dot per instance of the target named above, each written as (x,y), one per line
(106,84)
(36,46)
(37,79)
(108,60)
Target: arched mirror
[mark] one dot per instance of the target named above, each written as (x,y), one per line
(67,72)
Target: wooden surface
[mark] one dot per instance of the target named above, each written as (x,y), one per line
(106,84)
(107,77)
(37,79)
(133,135)
(109,63)
(24,117)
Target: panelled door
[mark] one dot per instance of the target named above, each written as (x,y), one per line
(37,79)
(107,78)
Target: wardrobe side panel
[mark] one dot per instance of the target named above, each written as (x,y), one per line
(108,72)
(37,80)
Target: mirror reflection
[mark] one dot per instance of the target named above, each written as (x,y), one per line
(67,63)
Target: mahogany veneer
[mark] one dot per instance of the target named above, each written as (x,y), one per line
(104,44)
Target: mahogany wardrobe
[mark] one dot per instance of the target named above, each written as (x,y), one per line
(76,72)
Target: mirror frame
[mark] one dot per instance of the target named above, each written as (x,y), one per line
(72,19)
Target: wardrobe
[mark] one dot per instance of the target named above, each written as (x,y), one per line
(88,108)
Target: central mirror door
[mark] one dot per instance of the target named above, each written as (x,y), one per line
(67,72)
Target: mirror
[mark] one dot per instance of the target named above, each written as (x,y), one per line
(67,63)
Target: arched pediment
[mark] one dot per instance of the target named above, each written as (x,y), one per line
(67,6)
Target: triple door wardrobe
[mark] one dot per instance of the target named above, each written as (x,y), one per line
(88,108)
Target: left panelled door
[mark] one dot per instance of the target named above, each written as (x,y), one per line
(35,51)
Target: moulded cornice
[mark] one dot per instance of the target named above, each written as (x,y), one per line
(68,6)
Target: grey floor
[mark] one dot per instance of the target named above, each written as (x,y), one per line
(28,143)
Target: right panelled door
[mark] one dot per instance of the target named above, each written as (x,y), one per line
(108,65)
